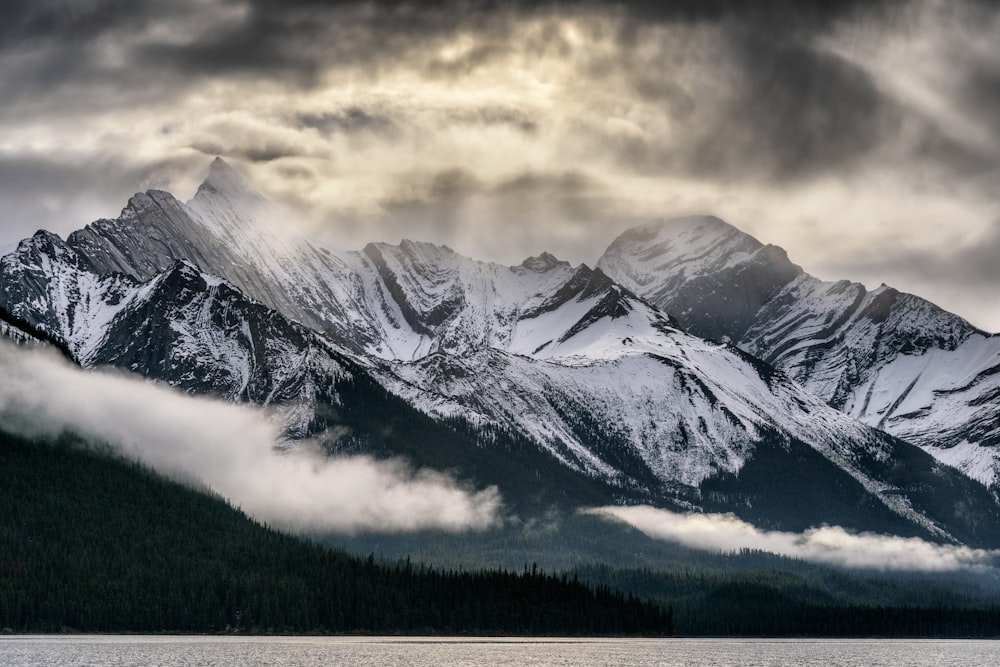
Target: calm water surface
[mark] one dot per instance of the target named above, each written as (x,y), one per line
(132,651)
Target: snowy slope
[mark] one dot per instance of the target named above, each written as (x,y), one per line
(892,360)
(667,412)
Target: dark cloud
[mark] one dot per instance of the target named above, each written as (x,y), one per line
(807,14)
(941,162)
(295,41)
(495,115)
(804,109)
(351,119)
(453,185)
(796,112)
(754,95)
(773,103)
(164,48)
(33,22)
(299,38)
(572,183)
(63,57)
(259,43)
(981,93)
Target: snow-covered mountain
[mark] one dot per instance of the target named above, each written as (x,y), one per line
(230,231)
(191,329)
(889,359)
(545,371)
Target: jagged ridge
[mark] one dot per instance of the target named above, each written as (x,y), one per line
(594,377)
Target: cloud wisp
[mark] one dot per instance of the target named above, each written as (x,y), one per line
(231,449)
(828,545)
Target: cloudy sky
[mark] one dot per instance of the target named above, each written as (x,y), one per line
(863,137)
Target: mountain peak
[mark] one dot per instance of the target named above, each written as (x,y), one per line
(541,263)
(690,235)
(222,178)
(408,251)
(711,276)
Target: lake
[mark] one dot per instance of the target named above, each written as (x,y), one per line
(178,651)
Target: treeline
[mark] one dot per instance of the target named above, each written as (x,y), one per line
(791,620)
(91,543)
(780,603)
(30,331)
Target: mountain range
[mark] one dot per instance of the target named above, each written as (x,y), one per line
(692,368)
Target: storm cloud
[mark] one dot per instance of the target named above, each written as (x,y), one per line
(857,135)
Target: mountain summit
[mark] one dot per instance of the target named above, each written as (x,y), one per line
(224,191)
(708,274)
(221,177)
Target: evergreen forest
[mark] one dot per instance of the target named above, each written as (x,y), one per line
(92,543)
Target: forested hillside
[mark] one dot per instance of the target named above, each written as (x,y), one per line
(92,543)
